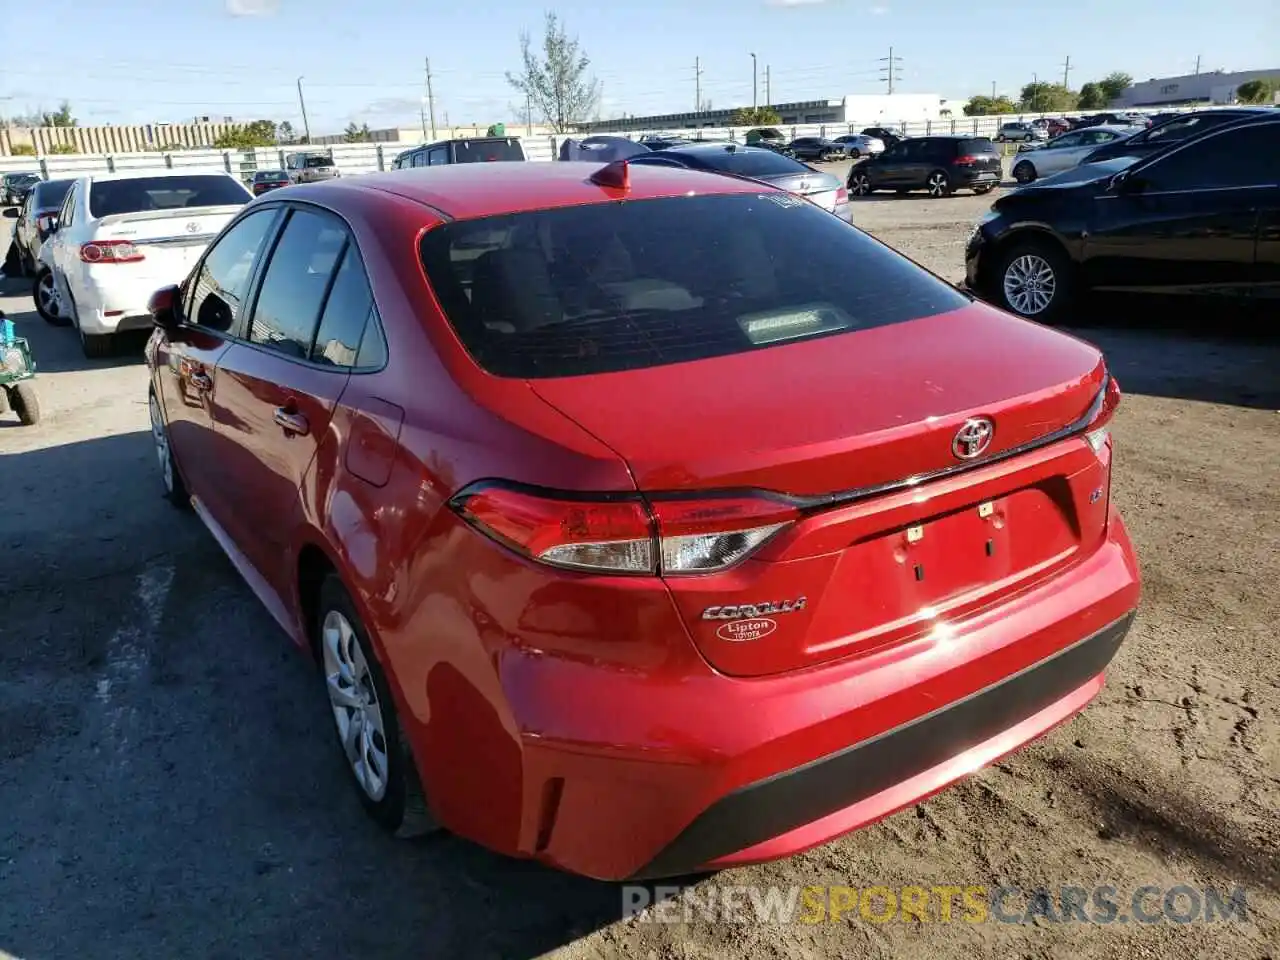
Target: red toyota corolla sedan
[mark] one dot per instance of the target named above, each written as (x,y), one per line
(643,520)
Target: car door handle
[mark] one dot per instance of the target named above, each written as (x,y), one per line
(292,422)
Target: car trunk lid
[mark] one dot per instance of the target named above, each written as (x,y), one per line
(859,430)
(170,241)
(819,188)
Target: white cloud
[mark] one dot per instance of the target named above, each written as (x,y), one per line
(794,3)
(252,8)
(878,11)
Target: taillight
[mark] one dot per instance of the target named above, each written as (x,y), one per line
(1099,430)
(842,196)
(110,251)
(967,160)
(624,534)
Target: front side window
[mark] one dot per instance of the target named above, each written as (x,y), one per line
(607,287)
(295,283)
(1067,141)
(222,282)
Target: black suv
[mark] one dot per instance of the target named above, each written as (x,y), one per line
(463,150)
(1198,219)
(940,165)
(1171,131)
(884,135)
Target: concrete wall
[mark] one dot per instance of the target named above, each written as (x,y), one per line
(414,135)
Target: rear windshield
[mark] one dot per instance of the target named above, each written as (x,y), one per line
(270,175)
(978,145)
(751,163)
(141,194)
(481,151)
(622,286)
(317,162)
(51,193)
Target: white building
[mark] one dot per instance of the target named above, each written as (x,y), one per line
(1216,87)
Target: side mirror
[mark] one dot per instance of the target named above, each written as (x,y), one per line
(164,308)
(11,213)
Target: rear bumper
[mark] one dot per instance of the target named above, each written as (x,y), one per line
(964,177)
(625,774)
(116,303)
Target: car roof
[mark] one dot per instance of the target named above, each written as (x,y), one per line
(465,191)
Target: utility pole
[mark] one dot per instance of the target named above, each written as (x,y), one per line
(697,87)
(891,72)
(768,88)
(528,114)
(306,127)
(1066,72)
(431,100)
(1197,64)
(755,97)
(993,89)
(1035,91)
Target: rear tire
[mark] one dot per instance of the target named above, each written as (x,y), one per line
(1035,280)
(938,184)
(24,402)
(984,189)
(1024,172)
(369,733)
(97,346)
(175,491)
(860,184)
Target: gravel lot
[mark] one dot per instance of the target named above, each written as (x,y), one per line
(168,787)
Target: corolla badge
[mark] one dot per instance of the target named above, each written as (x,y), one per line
(749,611)
(973,438)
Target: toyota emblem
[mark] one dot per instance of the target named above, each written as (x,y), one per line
(973,438)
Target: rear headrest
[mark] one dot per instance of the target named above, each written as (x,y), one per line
(513,286)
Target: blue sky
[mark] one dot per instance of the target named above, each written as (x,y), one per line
(131,61)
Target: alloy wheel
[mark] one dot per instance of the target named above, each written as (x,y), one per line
(937,185)
(861,185)
(47,292)
(357,710)
(1029,284)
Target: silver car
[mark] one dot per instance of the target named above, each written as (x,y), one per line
(860,145)
(1025,132)
(1066,151)
(310,167)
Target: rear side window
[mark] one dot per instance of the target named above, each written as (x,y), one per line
(345,314)
(483,151)
(144,194)
(610,287)
(295,283)
(977,145)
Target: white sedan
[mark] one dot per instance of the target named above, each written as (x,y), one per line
(1066,151)
(860,145)
(119,238)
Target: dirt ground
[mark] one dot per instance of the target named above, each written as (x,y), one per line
(168,787)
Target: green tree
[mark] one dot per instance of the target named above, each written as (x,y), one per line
(60,118)
(285,132)
(558,83)
(357,134)
(1261,90)
(1047,98)
(1114,84)
(1092,97)
(987,106)
(23,150)
(259,133)
(755,117)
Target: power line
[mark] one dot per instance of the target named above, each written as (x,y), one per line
(891,71)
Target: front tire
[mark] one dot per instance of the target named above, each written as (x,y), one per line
(938,184)
(175,491)
(860,184)
(369,733)
(1035,280)
(24,402)
(1024,172)
(45,294)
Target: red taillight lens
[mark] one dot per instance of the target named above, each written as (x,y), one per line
(625,535)
(586,535)
(110,251)
(842,196)
(1099,430)
(966,161)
